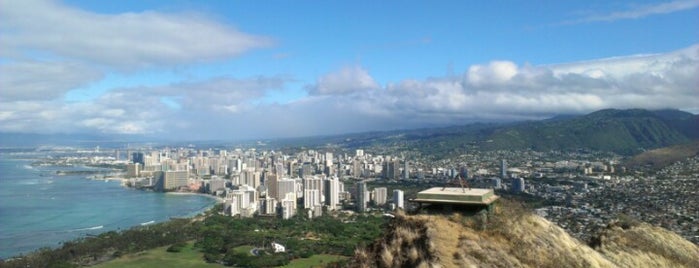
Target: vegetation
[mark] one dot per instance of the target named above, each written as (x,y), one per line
(91,250)
(161,257)
(217,239)
(514,237)
(624,132)
(220,236)
(662,157)
(317,260)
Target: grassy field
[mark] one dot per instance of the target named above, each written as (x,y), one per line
(188,257)
(243,249)
(159,257)
(318,260)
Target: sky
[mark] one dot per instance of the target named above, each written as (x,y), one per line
(199,70)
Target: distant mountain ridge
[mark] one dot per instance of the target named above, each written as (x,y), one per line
(621,131)
(625,132)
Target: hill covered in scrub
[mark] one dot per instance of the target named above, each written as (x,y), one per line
(626,132)
(662,157)
(517,238)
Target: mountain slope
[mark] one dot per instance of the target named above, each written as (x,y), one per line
(643,245)
(621,131)
(514,238)
(661,157)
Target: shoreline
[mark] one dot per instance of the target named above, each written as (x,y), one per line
(218,199)
(196,214)
(193,214)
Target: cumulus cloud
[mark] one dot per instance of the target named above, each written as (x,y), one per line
(124,40)
(494,73)
(140,110)
(349,100)
(345,81)
(34,80)
(503,90)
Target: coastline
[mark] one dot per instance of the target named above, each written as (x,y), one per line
(34,186)
(203,210)
(219,200)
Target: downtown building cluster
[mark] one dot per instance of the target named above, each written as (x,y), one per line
(269,183)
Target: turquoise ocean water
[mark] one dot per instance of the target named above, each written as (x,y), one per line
(41,209)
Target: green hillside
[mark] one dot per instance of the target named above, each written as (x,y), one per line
(626,132)
(621,131)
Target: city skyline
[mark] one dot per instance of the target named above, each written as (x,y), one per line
(237,70)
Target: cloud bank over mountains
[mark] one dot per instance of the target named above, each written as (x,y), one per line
(349,99)
(45,56)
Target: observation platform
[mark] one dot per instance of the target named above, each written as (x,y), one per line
(456,197)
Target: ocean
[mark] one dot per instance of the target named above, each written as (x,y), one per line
(41,209)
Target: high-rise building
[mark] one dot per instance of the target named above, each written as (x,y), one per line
(285,186)
(362,196)
(272,186)
(518,185)
(138,157)
(292,169)
(328,159)
(279,169)
(503,169)
(215,185)
(170,180)
(356,168)
(232,205)
(332,192)
(329,171)
(288,206)
(315,183)
(391,169)
(270,206)
(406,170)
(133,170)
(398,199)
(311,198)
(244,201)
(306,170)
(380,195)
(359,153)
(250,178)
(496,183)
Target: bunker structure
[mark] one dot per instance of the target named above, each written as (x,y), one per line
(456,198)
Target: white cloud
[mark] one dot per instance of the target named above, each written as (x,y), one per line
(345,81)
(124,40)
(140,110)
(34,80)
(642,11)
(218,93)
(493,73)
(502,90)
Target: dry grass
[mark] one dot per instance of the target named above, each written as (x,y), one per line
(514,237)
(405,245)
(643,245)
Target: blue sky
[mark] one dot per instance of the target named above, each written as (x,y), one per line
(248,69)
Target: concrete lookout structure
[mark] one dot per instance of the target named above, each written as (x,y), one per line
(456,198)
